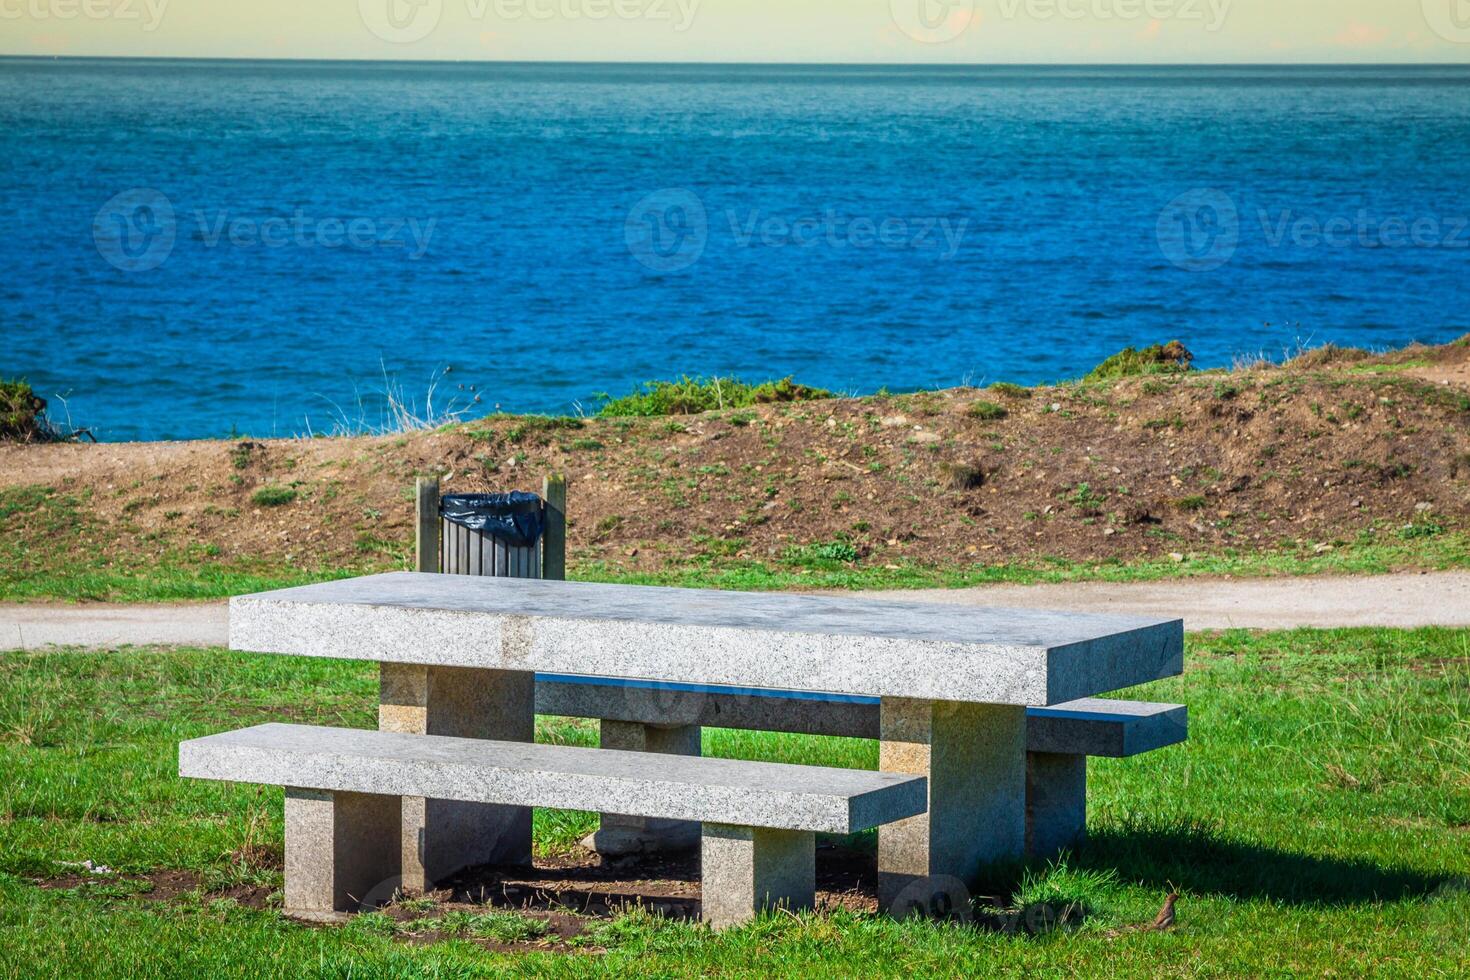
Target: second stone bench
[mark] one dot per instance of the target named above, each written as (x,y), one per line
(667,718)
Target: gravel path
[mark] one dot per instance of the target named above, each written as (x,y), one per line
(1406,600)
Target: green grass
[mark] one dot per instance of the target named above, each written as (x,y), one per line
(1430,548)
(273,496)
(1317,822)
(986,411)
(178,577)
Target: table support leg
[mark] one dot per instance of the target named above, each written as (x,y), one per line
(441,837)
(1056,803)
(975,758)
(620,834)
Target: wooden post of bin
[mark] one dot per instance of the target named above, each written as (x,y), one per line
(554,537)
(426,525)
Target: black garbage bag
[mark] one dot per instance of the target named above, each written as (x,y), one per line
(514,518)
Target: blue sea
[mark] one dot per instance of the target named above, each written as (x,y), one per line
(195,249)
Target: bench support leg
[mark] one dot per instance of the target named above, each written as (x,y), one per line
(975,758)
(1056,803)
(441,837)
(620,834)
(342,850)
(747,870)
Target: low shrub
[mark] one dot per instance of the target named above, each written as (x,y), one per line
(691,396)
(1170,358)
(831,552)
(23,417)
(966,476)
(22,413)
(538,428)
(273,496)
(1007,390)
(986,411)
(1327,355)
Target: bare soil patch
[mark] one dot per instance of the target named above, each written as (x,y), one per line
(167,885)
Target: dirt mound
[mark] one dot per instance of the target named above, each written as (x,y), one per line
(1375,449)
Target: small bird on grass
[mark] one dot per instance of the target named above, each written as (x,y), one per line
(1163,922)
(1165,919)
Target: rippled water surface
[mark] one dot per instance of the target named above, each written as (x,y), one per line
(196,248)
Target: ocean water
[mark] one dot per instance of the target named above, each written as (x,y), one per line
(199,248)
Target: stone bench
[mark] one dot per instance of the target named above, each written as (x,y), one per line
(667,718)
(343,812)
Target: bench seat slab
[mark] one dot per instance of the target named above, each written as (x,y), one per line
(1104,728)
(759,794)
(1098,727)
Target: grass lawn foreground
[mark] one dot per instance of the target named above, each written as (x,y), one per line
(1317,822)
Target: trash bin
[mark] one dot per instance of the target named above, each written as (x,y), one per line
(496,534)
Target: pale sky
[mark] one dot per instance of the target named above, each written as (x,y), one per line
(934,31)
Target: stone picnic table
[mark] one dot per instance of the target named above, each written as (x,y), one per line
(458,656)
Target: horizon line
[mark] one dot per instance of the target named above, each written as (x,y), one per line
(745,64)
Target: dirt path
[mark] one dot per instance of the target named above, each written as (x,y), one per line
(1405,600)
(35,625)
(1433,599)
